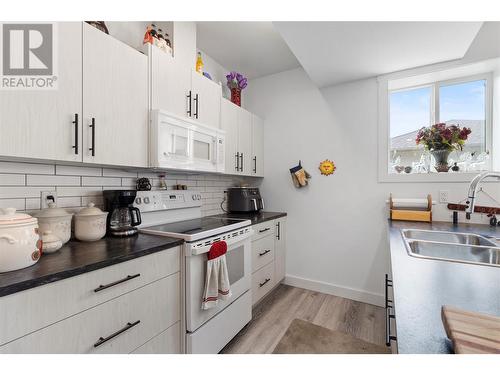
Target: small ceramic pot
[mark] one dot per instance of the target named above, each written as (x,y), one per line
(50,242)
(20,243)
(57,220)
(90,223)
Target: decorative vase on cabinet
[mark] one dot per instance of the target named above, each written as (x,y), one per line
(236,96)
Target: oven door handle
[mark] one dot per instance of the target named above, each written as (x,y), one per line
(233,242)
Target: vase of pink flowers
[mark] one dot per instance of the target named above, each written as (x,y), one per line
(441,139)
(236,82)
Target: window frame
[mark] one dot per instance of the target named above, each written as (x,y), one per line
(384,126)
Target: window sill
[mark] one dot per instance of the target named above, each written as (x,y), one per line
(428,177)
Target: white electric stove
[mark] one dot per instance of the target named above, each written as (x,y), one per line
(177,214)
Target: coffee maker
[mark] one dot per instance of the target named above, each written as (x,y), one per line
(123,217)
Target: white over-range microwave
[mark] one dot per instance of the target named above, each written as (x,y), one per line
(180,143)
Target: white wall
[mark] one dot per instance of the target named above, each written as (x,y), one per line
(337,239)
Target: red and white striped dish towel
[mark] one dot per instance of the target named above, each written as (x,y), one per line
(217,281)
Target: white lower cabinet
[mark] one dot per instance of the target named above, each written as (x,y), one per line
(138,313)
(280,248)
(166,342)
(268,257)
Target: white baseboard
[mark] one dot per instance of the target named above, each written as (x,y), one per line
(336,290)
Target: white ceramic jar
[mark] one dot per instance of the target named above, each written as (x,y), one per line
(50,242)
(90,223)
(56,220)
(20,243)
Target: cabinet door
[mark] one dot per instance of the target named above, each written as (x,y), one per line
(257,146)
(115,101)
(280,249)
(229,123)
(206,106)
(39,123)
(245,140)
(170,83)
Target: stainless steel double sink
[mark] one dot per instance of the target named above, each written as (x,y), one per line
(453,247)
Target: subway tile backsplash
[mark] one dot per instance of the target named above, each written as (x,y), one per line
(21,184)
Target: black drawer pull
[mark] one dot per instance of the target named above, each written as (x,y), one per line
(264,253)
(264,230)
(190,96)
(196,100)
(92,147)
(129,277)
(264,283)
(75,122)
(102,340)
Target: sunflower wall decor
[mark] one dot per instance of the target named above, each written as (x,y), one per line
(327,167)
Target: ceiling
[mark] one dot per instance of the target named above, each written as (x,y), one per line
(337,52)
(255,49)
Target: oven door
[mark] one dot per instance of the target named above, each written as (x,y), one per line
(239,269)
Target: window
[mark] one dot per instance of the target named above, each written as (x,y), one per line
(461,102)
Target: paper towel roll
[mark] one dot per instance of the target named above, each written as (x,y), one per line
(409,203)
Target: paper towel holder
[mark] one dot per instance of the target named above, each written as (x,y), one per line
(424,215)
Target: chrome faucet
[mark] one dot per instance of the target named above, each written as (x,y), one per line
(473,190)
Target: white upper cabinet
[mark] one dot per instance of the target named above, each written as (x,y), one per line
(229,123)
(257,146)
(41,123)
(170,83)
(206,98)
(237,122)
(115,101)
(245,141)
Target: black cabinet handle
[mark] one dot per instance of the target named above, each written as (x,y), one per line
(129,277)
(237,161)
(264,230)
(92,126)
(264,253)
(255,164)
(264,283)
(189,96)
(196,100)
(102,340)
(278,227)
(241,166)
(388,316)
(75,122)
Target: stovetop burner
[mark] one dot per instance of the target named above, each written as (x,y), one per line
(196,229)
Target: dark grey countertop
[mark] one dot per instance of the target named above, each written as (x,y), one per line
(76,257)
(422,286)
(255,218)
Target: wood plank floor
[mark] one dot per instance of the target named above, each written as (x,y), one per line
(273,315)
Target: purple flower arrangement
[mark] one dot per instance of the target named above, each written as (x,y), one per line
(443,137)
(236,81)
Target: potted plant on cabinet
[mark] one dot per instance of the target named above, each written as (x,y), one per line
(236,82)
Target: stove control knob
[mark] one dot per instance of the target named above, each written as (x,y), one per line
(138,200)
(146,200)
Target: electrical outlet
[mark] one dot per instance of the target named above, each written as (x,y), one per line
(46,200)
(443,196)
